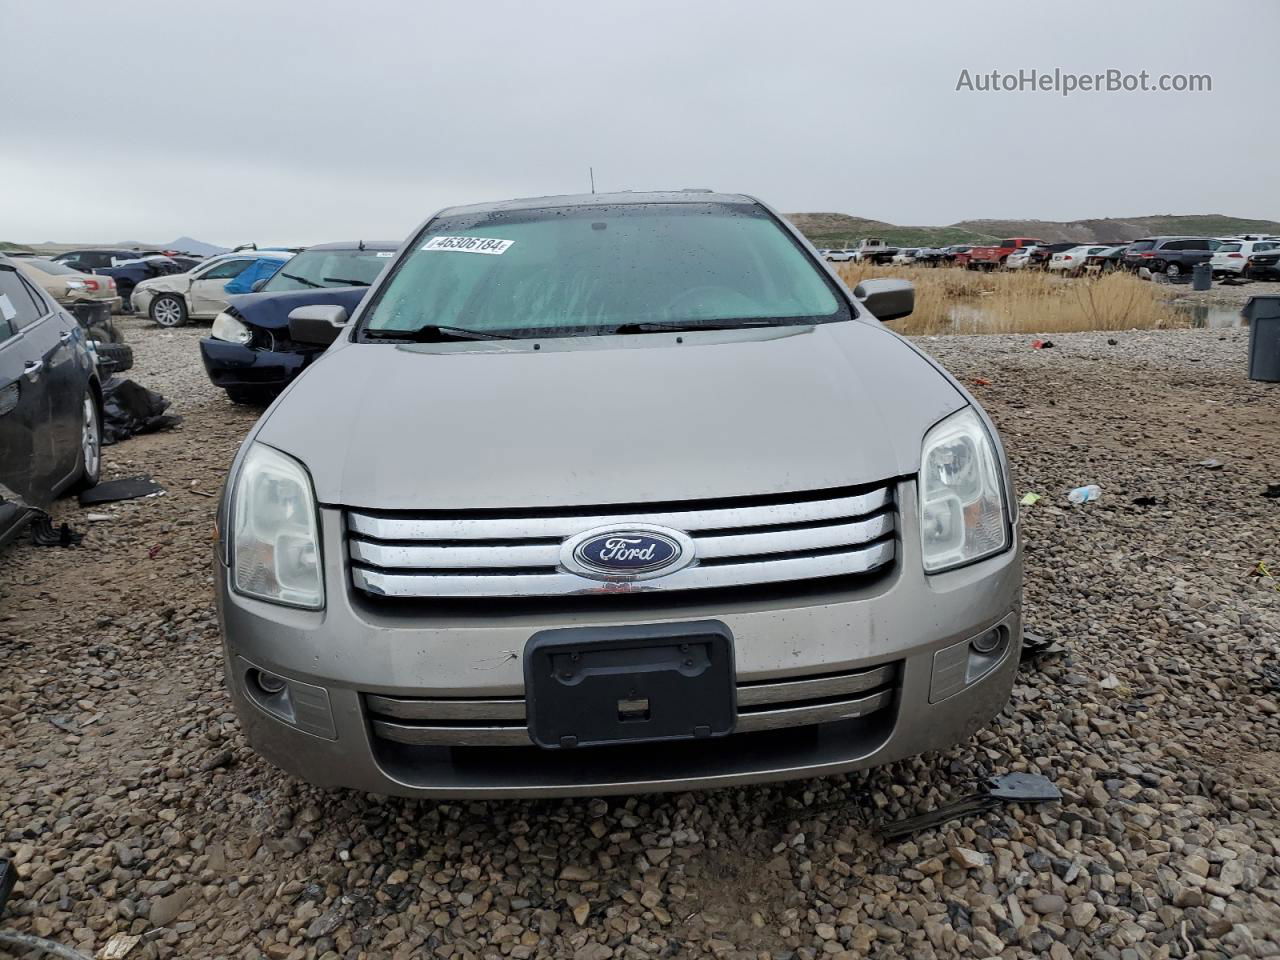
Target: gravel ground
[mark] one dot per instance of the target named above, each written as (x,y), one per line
(1231,294)
(133,808)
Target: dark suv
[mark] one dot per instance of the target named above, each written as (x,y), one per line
(90,260)
(1172,256)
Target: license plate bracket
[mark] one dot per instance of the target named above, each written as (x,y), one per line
(592,686)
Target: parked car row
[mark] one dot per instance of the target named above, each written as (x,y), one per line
(249,352)
(173,299)
(1252,257)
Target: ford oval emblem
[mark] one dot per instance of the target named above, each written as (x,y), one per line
(627,553)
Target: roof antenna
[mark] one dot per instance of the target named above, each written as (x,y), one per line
(592,172)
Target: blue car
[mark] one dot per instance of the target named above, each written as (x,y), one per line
(249,352)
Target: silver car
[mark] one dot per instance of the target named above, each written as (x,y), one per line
(612,494)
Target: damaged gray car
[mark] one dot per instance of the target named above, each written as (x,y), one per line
(50,402)
(613,494)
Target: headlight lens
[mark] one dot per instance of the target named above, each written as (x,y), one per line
(275,545)
(962,515)
(226,327)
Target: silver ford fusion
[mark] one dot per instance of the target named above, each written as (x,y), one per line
(611,494)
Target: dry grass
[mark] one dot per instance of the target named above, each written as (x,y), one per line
(951,300)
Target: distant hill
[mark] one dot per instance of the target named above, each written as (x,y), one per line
(6,246)
(189,245)
(837,229)
(52,248)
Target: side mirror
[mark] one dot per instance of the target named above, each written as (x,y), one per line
(317,323)
(887,299)
(259,284)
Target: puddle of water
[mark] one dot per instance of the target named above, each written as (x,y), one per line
(1212,316)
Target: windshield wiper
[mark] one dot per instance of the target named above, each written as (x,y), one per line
(347,283)
(309,283)
(689,326)
(431,333)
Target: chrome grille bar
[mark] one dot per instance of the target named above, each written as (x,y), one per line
(517,735)
(491,709)
(432,557)
(382,583)
(408,527)
(805,537)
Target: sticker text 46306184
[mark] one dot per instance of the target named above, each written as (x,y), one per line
(489,245)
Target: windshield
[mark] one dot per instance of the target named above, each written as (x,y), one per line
(312,269)
(564,271)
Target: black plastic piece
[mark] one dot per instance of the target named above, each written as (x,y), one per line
(1009,788)
(8,877)
(110,491)
(604,685)
(1023,788)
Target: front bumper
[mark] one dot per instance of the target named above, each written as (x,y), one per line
(237,365)
(140,299)
(356,648)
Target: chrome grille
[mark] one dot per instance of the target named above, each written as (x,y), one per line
(794,537)
(763,705)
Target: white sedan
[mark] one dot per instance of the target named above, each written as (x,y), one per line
(1231,256)
(170,301)
(1072,261)
(1020,258)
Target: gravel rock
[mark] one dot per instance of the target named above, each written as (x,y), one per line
(131,806)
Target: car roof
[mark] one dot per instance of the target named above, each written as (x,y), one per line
(132,250)
(358,245)
(625,198)
(252,255)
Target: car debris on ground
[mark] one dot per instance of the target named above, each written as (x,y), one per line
(129,409)
(126,488)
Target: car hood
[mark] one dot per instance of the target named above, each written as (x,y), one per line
(271,310)
(609,420)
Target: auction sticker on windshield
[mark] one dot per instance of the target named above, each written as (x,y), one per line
(468,244)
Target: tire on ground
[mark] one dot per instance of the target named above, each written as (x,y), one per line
(114,357)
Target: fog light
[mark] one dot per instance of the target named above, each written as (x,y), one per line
(268,683)
(987,642)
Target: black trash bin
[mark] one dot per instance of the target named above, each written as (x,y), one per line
(1263,314)
(1201,276)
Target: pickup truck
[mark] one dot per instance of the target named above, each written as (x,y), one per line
(988,258)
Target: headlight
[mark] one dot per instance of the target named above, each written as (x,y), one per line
(227,327)
(275,545)
(962,516)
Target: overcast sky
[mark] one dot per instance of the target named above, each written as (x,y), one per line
(299,122)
